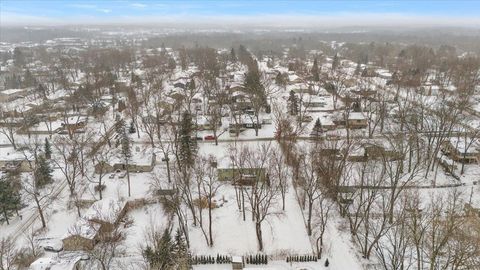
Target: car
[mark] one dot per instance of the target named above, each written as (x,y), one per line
(209,138)
(52,245)
(121,176)
(112,176)
(52,249)
(198,138)
(165,159)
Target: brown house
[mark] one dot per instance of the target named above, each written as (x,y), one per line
(462,151)
(102,217)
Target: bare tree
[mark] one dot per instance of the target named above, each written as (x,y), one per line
(323,215)
(40,197)
(8,254)
(108,247)
(280,171)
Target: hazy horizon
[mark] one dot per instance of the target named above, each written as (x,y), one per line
(304,14)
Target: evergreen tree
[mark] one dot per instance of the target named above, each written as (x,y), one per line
(41,90)
(126,154)
(356,107)
(317,128)
(335,62)
(132,129)
(161,254)
(315,71)
(327,263)
(171,63)
(18,57)
(43,172)
(188,144)
(120,128)
(47,149)
(293,103)
(28,79)
(9,197)
(233,56)
(181,252)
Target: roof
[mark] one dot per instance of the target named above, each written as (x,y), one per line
(84,229)
(11,91)
(107,210)
(460,144)
(10,154)
(356,116)
(59,263)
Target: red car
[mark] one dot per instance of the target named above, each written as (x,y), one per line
(209,138)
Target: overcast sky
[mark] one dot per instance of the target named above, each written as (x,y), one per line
(267,12)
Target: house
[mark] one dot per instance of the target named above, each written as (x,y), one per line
(15,160)
(83,235)
(384,74)
(66,262)
(242,176)
(139,163)
(12,94)
(102,217)
(461,150)
(380,149)
(356,120)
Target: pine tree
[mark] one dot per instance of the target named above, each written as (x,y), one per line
(161,255)
(181,252)
(43,172)
(47,149)
(132,129)
(188,145)
(315,75)
(317,128)
(293,103)
(9,197)
(327,263)
(233,56)
(335,62)
(18,57)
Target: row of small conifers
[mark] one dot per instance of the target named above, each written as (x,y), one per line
(225,259)
(249,259)
(207,259)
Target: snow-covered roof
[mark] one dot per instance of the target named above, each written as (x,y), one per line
(58,263)
(8,154)
(83,228)
(11,91)
(356,116)
(107,210)
(460,144)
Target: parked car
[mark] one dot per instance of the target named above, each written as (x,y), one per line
(111,176)
(53,248)
(209,138)
(50,244)
(121,176)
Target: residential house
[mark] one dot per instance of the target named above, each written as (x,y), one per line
(15,160)
(12,94)
(461,150)
(242,176)
(102,217)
